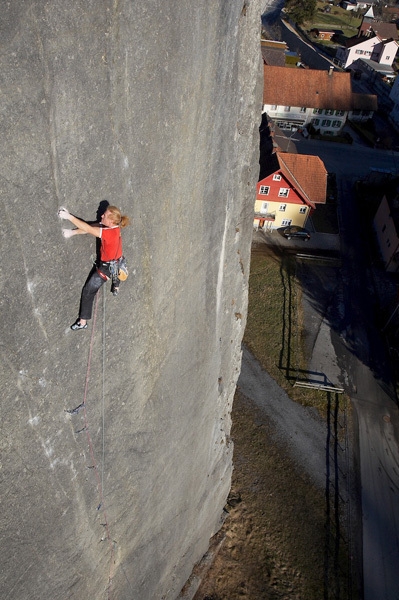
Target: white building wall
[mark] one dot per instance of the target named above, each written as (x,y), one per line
(329,122)
(294,117)
(363,50)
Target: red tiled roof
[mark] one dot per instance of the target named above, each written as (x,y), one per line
(307,87)
(306,173)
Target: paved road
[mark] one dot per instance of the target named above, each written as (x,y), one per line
(304,434)
(369,386)
(279,29)
(349,161)
(348,349)
(353,355)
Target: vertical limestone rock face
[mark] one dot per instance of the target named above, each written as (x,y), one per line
(153,106)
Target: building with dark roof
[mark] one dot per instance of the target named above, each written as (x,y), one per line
(273,52)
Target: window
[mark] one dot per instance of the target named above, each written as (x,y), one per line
(387,57)
(287,108)
(283,193)
(263,208)
(316,122)
(283,207)
(326,123)
(264,190)
(273,107)
(336,123)
(286,222)
(317,111)
(276,177)
(359,52)
(328,111)
(302,210)
(303,109)
(339,113)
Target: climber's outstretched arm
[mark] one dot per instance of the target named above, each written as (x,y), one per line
(82,226)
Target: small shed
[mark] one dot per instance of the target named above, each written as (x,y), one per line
(323,34)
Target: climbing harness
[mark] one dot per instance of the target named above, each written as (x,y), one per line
(117,270)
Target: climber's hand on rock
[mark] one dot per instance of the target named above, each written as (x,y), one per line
(63,213)
(67,233)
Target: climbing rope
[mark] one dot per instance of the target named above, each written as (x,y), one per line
(100,479)
(103,396)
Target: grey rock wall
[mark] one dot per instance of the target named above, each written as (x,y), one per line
(153,106)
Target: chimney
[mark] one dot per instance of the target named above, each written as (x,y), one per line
(330,72)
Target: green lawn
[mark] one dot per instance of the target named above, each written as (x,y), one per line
(275,332)
(342,20)
(275,324)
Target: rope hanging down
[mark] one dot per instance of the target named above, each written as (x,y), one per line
(100,479)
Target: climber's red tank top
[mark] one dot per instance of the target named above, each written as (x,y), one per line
(111,243)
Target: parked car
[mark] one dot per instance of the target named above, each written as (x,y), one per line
(296,232)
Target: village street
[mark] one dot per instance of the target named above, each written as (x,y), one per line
(348,347)
(349,161)
(349,352)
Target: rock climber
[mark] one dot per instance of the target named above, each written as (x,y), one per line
(109,232)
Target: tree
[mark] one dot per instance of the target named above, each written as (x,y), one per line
(300,10)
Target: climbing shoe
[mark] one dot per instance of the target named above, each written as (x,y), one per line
(77,325)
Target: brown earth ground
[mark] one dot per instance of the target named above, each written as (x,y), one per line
(275,543)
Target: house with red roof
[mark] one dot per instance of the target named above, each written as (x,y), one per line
(291,187)
(296,98)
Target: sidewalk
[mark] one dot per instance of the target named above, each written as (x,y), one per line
(354,359)
(326,243)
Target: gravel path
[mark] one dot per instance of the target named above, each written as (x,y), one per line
(301,428)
